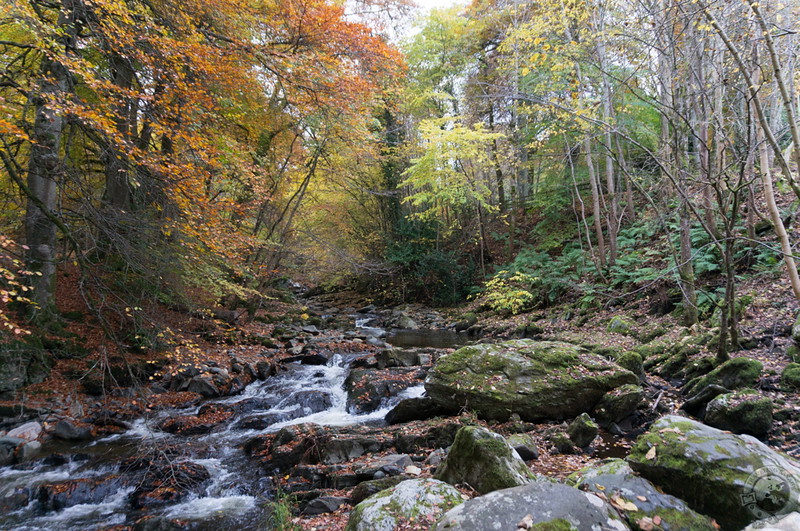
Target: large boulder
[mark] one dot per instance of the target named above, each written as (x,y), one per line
(639,500)
(484,461)
(618,404)
(535,379)
(736,373)
(741,412)
(735,479)
(369,389)
(420,501)
(542,505)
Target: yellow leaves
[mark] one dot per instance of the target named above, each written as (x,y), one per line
(651,454)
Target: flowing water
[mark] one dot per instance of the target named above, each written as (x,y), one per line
(235,494)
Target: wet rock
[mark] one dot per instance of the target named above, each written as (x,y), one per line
(484,461)
(8,446)
(169,483)
(157,523)
(524,445)
(535,379)
(207,418)
(203,385)
(550,505)
(311,401)
(28,451)
(616,480)
(396,358)
(741,412)
(14,500)
(29,431)
(420,500)
(323,505)
(69,431)
(265,369)
(715,472)
(421,408)
(618,404)
(307,359)
(368,389)
(582,430)
(61,494)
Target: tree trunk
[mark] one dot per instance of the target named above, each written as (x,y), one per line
(598,224)
(46,170)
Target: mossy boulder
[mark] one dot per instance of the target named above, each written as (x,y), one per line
(790,377)
(483,460)
(796,330)
(620,325)
(546,505)
(716,473)
(535,379)
(615,479)
(744,411)
(467,320)
(736,373)
(420,501)
(582,430)
(618,404)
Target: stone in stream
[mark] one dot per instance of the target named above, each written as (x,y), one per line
(420,501)
(58,495)
(29,431)
(368,389)
(535,379)
(169,483)
(421,408)
(69,431)
(483,460)
(639,499)
(735,479)
(543,504)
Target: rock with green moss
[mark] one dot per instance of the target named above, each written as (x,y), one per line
(737,373)
(483,460)
(633,362)
(715,472)
(620,325)
(420,501)
(618,404)
(616,480)
(744,411)
(524,445)
(796,330)
(582,430)
(535,379)
(790,377)
(467,320)
(562,443)
(546,505)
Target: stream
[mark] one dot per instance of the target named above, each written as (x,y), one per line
(232,490)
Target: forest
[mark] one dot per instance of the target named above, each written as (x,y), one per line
(196,196)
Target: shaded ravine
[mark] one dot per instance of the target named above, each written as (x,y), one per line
(100,484)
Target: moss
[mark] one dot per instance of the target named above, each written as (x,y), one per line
(793,353)
(790,378)
(651,350)
(631,361)
(733,374)
(559,524)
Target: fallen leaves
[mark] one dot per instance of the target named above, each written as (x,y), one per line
(651,454)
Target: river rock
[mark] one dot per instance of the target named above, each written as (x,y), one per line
(29,431)
(618,404)
(736,373)
(483,460)
(524,445)
(639,499)
(535,379)
(414,500)
(735,479)
(741,412)
(421,408)
(365,489)
(58,495)
(169,483)
(8,446)
(69,431)
(368,389)
(549,504)
(582,430)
